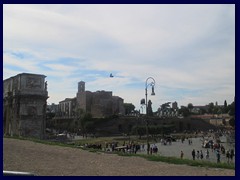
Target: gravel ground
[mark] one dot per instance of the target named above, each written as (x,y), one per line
(47,160)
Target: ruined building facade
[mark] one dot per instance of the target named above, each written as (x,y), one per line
(99,104)
(24,105)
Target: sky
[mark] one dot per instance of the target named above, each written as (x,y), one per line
(189,50)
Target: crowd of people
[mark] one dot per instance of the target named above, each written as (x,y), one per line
(199,154)
(210,149)
(211,142)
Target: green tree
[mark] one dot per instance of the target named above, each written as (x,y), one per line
(168,128)
(190,107)
(139,130)
(217,110)
(180,126)
(89,127)
(129,129)
(210,107)
(50,120)
(225,107)
(184,111)
(120,128)
(153,130)
(81,118)
(202,111)
(165,106)
(129,107)
(231,109)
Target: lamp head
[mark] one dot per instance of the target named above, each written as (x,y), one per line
(153,93)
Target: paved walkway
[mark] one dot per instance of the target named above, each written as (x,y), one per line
(176,147)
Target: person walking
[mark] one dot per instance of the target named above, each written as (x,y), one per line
(193,154)
(143,147)
(231,154)
(218,155)
(201,154)
(207,154)
(228,156)
(181,154)
(148,148)
(198,155)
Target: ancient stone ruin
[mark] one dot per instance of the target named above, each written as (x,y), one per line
(24,105)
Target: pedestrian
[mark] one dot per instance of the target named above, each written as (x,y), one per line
(113,147)
(143,147)
(212,147)
(155,148)
(193,154)
(201,154)
(198,154)
(207,154)
(228,155)
(183,139)
(182,154)
(218,155)
(148,148)
(231,154)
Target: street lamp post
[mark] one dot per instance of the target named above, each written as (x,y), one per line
(151,83)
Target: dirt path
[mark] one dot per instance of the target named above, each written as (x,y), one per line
(47,160)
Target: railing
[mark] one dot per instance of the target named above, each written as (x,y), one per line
(17,173)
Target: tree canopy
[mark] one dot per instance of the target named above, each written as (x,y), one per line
(165,106)
(129,107)
(184,111)
(190,106)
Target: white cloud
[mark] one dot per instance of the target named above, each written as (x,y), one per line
(182,46)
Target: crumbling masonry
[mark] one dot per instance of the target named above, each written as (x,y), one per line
(24,105)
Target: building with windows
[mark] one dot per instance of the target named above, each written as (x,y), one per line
(99,104)
(67,107)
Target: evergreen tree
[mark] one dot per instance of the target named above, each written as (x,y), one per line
(184,111)
(225,106)
(149,108)
(190,107)
(210,107)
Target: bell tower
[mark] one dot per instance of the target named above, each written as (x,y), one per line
(81,86)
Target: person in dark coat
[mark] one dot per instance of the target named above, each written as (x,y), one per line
(193,154)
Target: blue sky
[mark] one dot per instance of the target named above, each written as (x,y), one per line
(188,49)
